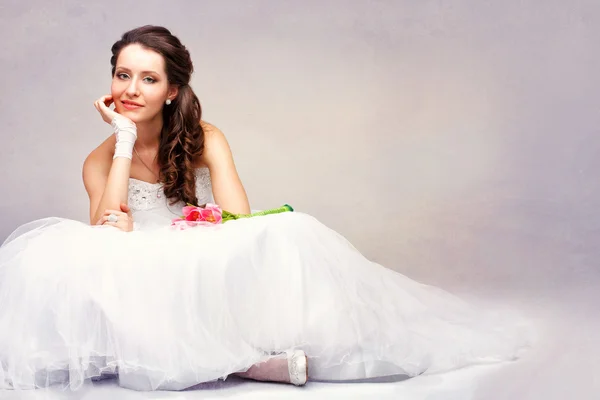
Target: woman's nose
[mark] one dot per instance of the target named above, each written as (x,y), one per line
(132,89)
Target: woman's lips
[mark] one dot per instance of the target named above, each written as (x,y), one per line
(129,106)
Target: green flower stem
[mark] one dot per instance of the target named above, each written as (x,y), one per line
(227,216)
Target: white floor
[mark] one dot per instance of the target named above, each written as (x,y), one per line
(564,364)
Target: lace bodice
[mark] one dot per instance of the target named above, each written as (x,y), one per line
(150,198)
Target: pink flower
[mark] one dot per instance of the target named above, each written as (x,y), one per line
(194,216)
(211,213)
(190,213)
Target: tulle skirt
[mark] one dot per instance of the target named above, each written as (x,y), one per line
(168,309)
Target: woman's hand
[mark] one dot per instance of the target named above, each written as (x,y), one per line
(124,218)
(102,105)
(124,128)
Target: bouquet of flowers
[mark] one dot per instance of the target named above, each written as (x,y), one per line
(212,214)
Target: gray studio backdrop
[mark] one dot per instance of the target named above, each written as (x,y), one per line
(452,141)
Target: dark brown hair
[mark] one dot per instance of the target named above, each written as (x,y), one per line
(182,137)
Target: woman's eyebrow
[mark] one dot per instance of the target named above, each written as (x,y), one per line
(143,72)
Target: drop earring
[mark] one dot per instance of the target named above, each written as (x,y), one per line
(168,102)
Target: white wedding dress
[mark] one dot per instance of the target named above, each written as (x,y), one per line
(161,308)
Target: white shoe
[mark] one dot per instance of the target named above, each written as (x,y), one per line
(297,367)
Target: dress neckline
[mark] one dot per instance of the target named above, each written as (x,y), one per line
(159,183)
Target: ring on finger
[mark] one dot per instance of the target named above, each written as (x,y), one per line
(113,218)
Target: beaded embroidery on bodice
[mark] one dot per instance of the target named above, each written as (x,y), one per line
(145,196)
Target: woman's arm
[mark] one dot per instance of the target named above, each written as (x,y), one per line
(227,187)
(106,170)
(106,181)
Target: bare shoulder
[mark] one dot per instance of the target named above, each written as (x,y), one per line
(97,164)
(207,127)
(216,147)
(212,134)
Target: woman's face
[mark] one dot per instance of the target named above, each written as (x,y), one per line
(140,87)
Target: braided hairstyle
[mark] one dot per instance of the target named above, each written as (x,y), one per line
(182,136)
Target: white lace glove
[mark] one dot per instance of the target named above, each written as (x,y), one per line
(126,132)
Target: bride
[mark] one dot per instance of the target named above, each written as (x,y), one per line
(274,298)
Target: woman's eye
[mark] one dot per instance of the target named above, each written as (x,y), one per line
(123,75)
